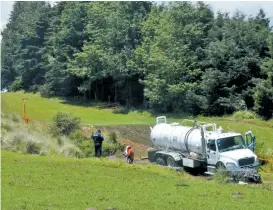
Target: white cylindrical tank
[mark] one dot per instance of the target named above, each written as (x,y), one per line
(177,137)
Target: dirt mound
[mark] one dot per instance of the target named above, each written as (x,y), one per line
(136,133)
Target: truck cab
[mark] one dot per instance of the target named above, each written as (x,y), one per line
(230,151)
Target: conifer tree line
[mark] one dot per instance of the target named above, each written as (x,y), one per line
(169,57)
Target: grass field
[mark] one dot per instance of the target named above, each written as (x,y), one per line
(35,182)
(44,109)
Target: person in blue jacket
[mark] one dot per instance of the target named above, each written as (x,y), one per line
(98,139)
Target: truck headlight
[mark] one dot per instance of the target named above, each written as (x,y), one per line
(231,166)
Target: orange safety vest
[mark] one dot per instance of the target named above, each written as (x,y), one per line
(131,153)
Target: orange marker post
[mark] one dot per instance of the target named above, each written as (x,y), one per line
(24,111)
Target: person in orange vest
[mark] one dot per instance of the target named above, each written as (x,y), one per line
(129,154)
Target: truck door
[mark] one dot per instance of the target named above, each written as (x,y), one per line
(250,141)
(211,152)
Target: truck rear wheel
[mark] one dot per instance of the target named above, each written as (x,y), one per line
(171,162)
(160,161)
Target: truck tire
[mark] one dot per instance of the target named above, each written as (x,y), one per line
(160,161)
(220,166)
(171,162)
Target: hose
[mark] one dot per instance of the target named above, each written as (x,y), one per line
(187,138)
(195,125)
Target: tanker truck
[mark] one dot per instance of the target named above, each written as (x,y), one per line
(203,146)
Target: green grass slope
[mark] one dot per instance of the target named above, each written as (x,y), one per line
(44,109)
(35,182)
(39,108)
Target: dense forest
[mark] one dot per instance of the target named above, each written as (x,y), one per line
(169,57)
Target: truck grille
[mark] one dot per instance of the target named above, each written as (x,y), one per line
(246,161)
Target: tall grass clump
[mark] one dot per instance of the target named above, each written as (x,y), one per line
(22,142)
(112,137)
(268,154)
(120,110)
(244,115)
(5,126)
(31,138)
(33,147)
(71,150)
(109,149)
(16,118)
(221,177)
(13,141)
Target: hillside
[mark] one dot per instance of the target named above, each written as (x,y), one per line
(33,182)
(43,109)
(55,182)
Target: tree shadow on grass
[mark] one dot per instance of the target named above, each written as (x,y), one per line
(79,101)
(119,109)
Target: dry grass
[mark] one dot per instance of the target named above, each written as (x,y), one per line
(37,138)
(29,139)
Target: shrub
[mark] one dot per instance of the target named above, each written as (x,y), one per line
(87,148)
(70,150)
(120,110)
(121,147)
(65,124)
(77,138)
(244,115)
(86,145)
(146,114)
(112,137)
(45,91)
(62,140)
(17,84)
(54,130)
(109,149)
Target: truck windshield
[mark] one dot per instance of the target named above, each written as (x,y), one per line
(230,143)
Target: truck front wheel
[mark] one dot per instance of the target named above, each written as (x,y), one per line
(171,162)
(220,167)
